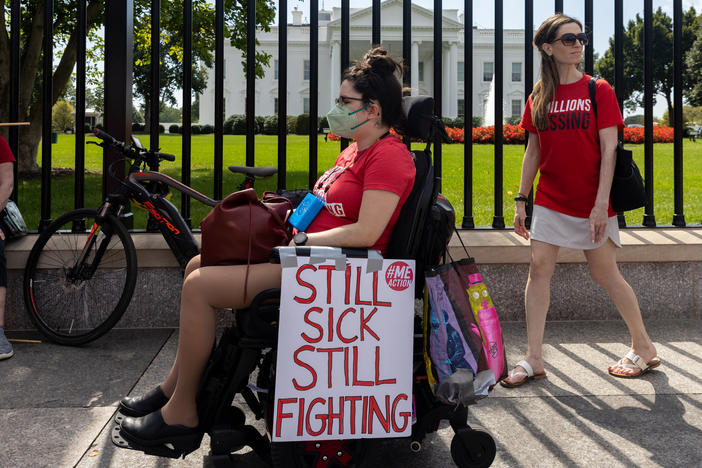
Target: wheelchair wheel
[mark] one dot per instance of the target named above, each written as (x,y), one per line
(473,448)
(319,453)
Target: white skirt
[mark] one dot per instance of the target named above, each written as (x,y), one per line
(560,229)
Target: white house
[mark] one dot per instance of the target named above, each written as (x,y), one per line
(329,53)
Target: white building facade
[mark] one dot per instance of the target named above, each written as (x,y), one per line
(329,56)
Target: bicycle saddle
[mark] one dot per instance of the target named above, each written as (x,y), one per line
(265,171)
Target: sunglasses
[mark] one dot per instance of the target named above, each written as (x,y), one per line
(569,39)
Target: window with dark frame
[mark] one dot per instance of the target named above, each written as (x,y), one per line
(488,71)
(516,107)
(420,71)
(461,108)
(516,71)
(307,70)
(275,69)
(460,70)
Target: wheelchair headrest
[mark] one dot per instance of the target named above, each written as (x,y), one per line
(421,121)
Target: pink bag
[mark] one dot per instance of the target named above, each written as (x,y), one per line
(486,317)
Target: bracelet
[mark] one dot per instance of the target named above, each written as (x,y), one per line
(521,198)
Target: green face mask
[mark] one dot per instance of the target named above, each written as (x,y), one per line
(342,121)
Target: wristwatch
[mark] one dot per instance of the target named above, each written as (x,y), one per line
(300,238)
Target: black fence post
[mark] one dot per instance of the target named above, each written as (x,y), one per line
(619,69)
(15,19)
(528,85)
(375,34)
(154,95)
(46,106)
(649,219)
(558,6)
(219,99)
(468,222)
(186,128)
(119,51)
(79,170)
(314,91)
(590,47)
(345,55)
(678,213)
(438,92)
(282,91)
(498,220)
(250,83)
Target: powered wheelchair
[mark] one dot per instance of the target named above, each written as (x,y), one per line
(249,345)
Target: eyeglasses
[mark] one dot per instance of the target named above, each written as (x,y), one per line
(340,100)
(569,39)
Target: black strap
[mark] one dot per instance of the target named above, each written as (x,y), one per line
(593,96)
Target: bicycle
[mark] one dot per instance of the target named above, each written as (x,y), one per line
(82,270)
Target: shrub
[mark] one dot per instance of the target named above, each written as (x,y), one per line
(174,129)
(322,124)
(260,121)
(137,127)
(161,129)
(302,124)
(514,120)
(206,129)
(270,125)
(477,122)
(291,122)
(235,125)
(195,129)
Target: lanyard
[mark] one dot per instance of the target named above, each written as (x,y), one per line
(341,171)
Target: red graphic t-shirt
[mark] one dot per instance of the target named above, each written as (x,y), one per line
(570,147)
(385,165)
(5,152)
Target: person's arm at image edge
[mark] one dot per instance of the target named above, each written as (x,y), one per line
(7,178)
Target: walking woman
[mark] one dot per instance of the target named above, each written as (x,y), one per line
(575,154)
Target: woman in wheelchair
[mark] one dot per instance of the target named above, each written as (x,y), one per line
(363,195)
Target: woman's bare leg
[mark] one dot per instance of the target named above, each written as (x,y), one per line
(204,290)
(604,270)
(537,297)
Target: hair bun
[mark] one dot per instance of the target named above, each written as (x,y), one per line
(378,61)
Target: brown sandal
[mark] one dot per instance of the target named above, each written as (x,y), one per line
(638,363)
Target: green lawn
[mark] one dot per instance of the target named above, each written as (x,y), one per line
(62,192)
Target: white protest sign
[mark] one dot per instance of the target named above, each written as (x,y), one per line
(344,367)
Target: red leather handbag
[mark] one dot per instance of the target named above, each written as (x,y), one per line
(241,229)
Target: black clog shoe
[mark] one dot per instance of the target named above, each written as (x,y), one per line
(152,431)
(145,404)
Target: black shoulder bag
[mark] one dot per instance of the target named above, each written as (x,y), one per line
(628,192)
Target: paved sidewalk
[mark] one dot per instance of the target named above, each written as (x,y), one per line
(57,403)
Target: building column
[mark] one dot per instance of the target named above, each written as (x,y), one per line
(446,80)
(414,69)
(453,82)
(335,74)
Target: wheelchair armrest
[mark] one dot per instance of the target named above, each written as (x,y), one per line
(287,255)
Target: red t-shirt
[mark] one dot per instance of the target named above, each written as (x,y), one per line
(5,152)
(570,147)
(385,165)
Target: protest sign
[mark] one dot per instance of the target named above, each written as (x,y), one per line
(344,364)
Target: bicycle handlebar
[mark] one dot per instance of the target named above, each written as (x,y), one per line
(107,138)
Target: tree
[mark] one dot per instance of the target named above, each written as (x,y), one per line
(63,116)
(203,43)
(65,43)
(694,68)
(633,56)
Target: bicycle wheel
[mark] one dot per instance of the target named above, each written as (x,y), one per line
(73,296)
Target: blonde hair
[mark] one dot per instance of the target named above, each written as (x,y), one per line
(545,89)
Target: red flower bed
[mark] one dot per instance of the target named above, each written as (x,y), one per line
(514,134)
(660,134)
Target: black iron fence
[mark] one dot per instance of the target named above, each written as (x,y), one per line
(118,37)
